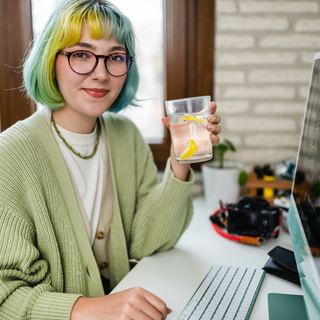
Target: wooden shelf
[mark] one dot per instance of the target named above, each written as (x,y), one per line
(254,183)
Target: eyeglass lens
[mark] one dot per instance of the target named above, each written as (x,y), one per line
(84,62)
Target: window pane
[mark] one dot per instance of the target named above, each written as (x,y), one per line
(41,11)
(147,19)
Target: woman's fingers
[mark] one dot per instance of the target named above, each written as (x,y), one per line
(155,307)
(165,121)
(142,304)
(130,304)
(213,124)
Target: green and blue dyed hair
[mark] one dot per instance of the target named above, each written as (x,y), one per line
(64,29)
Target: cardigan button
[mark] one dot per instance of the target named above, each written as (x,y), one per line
(100,235)
(103,265)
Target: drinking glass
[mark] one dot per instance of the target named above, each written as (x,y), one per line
(188,122)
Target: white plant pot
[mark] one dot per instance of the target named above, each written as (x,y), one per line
(221,184)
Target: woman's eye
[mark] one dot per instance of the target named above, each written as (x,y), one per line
(118,58)
(82,55)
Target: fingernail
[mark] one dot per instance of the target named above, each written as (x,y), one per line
(215,140)
(210,118)
(210,126)
(169,311)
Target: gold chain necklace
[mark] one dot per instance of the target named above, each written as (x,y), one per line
(70,148)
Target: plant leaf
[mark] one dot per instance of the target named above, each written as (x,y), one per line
(230,145)
(243,177)
(221,148)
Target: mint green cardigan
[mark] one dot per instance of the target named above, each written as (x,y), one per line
(46,261)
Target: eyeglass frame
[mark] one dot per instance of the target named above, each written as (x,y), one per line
(69,54)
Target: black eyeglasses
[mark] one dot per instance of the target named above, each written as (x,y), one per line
(84,62)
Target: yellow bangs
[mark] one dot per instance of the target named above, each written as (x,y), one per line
(70,33)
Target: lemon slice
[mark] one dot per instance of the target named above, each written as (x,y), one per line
(194,120)
(189,150)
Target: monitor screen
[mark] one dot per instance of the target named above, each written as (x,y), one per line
(304,214)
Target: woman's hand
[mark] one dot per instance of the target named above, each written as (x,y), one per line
(213,124)
(133,304)
(181,170)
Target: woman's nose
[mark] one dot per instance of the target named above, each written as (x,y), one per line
(100,73)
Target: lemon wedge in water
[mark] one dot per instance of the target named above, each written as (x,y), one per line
(195,120)
(189,150)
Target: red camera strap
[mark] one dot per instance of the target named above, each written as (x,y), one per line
(257,241)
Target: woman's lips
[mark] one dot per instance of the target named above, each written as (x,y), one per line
(96,93)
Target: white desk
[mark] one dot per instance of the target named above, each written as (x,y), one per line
(174,275)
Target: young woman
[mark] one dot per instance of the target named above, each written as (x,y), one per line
(79,194)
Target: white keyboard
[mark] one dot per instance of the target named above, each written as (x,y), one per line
(226,293)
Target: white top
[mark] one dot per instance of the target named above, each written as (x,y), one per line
(87,174)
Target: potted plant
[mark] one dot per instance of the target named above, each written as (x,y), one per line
(222,179)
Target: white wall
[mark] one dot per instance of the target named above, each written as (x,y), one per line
(264,52)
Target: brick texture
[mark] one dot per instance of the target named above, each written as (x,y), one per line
(263,60)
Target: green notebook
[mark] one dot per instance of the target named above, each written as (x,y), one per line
(286,307)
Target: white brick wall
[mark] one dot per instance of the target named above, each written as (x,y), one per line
(257,58)
(279,108)
(284,7)
(236,23)
(249,124)
(263,60)
(259,92)
(292,41)
(279,75)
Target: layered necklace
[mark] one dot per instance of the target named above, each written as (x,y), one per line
(70,148)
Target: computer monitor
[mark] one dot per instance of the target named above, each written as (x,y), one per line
(304,213)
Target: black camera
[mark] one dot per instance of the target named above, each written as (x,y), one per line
(254,217)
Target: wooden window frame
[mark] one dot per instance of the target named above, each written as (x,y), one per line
(15,36)
(188,59)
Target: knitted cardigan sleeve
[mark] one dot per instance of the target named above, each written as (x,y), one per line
(31,278)
(154,214)
(25,281)
(162,215)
